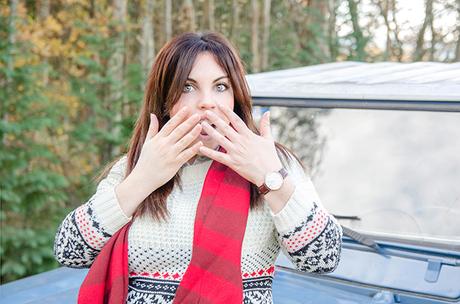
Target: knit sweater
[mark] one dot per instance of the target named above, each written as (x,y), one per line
(159,252)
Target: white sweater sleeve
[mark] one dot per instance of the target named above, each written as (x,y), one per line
(308,234)
(85,230)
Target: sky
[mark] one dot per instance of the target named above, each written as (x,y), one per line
(410,17)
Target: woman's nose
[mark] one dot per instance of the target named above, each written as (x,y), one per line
(207,105)
(207,102)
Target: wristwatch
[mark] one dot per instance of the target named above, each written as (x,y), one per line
(273,181)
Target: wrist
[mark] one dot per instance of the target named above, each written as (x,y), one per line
(277,200)
(260,178)
(273,181)
(131,192)
(143,183)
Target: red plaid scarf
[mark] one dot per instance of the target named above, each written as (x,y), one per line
(214,273)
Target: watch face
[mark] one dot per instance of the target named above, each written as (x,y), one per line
(274,180)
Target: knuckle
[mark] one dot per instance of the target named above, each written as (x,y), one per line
(187,139)
(220,135)
(182,158)
(227,129)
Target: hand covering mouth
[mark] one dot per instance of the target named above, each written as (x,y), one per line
(203,132)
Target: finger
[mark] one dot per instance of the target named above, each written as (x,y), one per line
(184,128)
(222,140)
(174,121)
(236,121)
(153,127)
(185,141)
(222,126)
(265,126)
(222,158)
(187,154)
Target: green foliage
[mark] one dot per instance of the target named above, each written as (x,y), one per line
(31,191)
(27,251)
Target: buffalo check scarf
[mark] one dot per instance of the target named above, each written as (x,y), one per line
(214,273)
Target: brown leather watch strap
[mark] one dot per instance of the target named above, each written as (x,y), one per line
(263,189)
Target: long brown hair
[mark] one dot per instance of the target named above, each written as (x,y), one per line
(164,86)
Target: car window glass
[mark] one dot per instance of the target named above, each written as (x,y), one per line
(398,171)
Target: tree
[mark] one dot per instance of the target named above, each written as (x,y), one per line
(168,20)
(420,49)
(266,34)
(457,46)
(32,188)
(393,46)
(235,21)
(310,26)
(147,48)
(187,17)
(115,71)
(255,66)
(209,16)
(359,40)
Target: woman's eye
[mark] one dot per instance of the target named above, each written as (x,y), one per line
(187,88)
(221,87)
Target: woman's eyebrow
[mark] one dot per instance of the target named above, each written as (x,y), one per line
(217,79)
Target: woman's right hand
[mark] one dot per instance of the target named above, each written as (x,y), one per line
(164,152)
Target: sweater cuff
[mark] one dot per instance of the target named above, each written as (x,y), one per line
(108,211)
(297,209)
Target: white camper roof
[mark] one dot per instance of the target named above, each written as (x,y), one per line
(359,81)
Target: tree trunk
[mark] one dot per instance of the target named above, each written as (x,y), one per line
(255,36)
(398,49)
(43,13)
(419,47)
(266,34)
(147,48)
(319,10)
(92,8)
(211,18)
(43,9)
(332,39)
(311,28)
(235,21)
(168,20)
(384,9)
(189,14)
(360,40)
(457,47)
(7,83)
(115,70)
(433,38)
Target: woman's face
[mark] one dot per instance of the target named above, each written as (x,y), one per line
(206,86)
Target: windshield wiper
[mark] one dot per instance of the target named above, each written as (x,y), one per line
(357,236)
(362,239)
(347,217)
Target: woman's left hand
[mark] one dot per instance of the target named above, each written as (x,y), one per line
(248,154)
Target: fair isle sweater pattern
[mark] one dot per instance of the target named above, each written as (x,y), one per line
(159,253)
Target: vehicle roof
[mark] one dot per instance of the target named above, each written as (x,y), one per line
(418,81)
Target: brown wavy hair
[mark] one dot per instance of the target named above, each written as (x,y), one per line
(166,79)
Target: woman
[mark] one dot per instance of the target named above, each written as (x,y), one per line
(204,200)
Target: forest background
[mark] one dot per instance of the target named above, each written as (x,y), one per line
(72,75)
